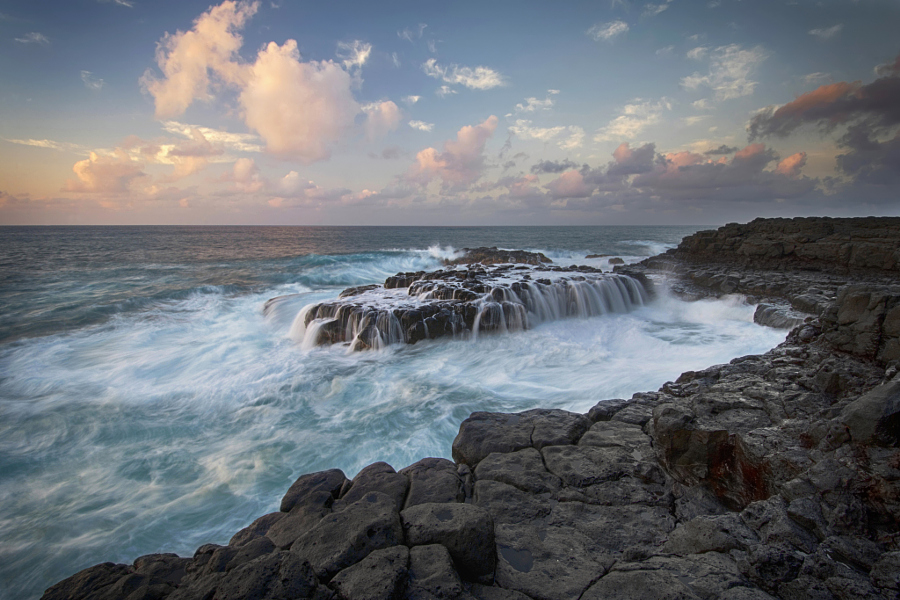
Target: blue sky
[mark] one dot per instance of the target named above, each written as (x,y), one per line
(138,112)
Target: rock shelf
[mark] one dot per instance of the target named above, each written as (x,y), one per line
(772,476)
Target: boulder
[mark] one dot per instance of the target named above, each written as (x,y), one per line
(874,418)
(433,480)
(379,576)
(431,574)
(466,530)
(377,477)
(329,481)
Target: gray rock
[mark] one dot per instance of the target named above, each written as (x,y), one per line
(523,469)
(613,529)
(250,551)
(615,434)
(165,568)
(466,530)
(553,427)
(639,585)
(710,534)
(379,576)
(323,481)
(344,538)
(431,574)
(874,418)
(257,528)
(304,515)
(377,477)
(886,572)
(508,504)
(278,576)
(605,409)
(433,480)
(483,592)
(88,582)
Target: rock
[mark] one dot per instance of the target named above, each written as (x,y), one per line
(165,568)
(605,409)
(493,256)
(344,538)
(616,261)
(279,576)
(329,481)
(508,504)
(466,530)
(304,515)
(523,469)
(377,477)
(379,576)
(431,574)
(89,582)
(483,592)
(257,528)
(721,533)
(886,572)
(778,317)
(874,418)
(433,480)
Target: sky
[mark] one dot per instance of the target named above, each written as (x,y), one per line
(447,113)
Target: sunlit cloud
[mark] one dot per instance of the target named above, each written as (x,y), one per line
(34,38)
(730,70)
(461,161)
(51,145)
(353,54)
(381,118)
(635,118)
(479,78)
(421,125)
(412,33)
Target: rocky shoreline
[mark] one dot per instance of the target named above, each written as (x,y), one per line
(775,475)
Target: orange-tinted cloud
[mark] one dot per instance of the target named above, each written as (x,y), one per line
(462,160)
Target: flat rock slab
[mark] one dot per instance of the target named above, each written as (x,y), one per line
(523,469)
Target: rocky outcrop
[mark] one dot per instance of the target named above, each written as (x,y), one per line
(495,256)
(411,307)
(772,476)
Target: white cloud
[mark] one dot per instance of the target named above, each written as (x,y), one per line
(533,104)
(729,72)
(245,176)
(381,118)
(410,100)
(421,125)
(353,54)
(828,32)
(698,53)
(552,91)
(607,31)
(816,78)
(240,142)
(126,3)
(395,59)
(524,130)
(34,38)
(666,51)
(651,10)
(575,139)
(695,119)
(444,91)
(51,145)
(186,58)
(90,82)
(479,78)
(702,104)
(634,119)
(299,108)
(410,34)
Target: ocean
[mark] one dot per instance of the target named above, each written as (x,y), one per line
(147,403)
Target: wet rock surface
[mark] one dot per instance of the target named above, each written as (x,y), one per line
(772,476)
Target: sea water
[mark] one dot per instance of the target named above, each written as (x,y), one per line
(147,403)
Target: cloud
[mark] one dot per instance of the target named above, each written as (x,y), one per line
(729,72)
(698,53)
(90,82)
(353,54)
(51,145)
(421,125)
(381,118)
(240,142)
(395,59)
(533,104)
(190,156)
(575,139)
(299,108)
(125,3)
(34,38)
(665,51)
(410,34)
(652,10)
(187,58)
(410,100)
(105,174)
(791,165)
(607,31)
(632,161)
(462,160)
(887,69)
(828,32)
(524,130)
(634,119)
(479,78)
(444,91)
(245,177)
(721,150)
(570,184)
(816,77)
(548,166)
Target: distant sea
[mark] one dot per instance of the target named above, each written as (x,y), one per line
(148,405)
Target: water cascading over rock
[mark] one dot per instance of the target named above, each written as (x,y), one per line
(411,307)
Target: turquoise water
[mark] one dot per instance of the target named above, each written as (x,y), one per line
(148,405)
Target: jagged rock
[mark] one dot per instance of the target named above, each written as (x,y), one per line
(778,317)
(344,538)
(329,481)
(721,533)
(431,574)
(466,530)
(493,256)
(279,576)
(257,528)
(379,576)
(433,480)
(304,515)
(166,568)
(89,582)
(377,477)
(874,418)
